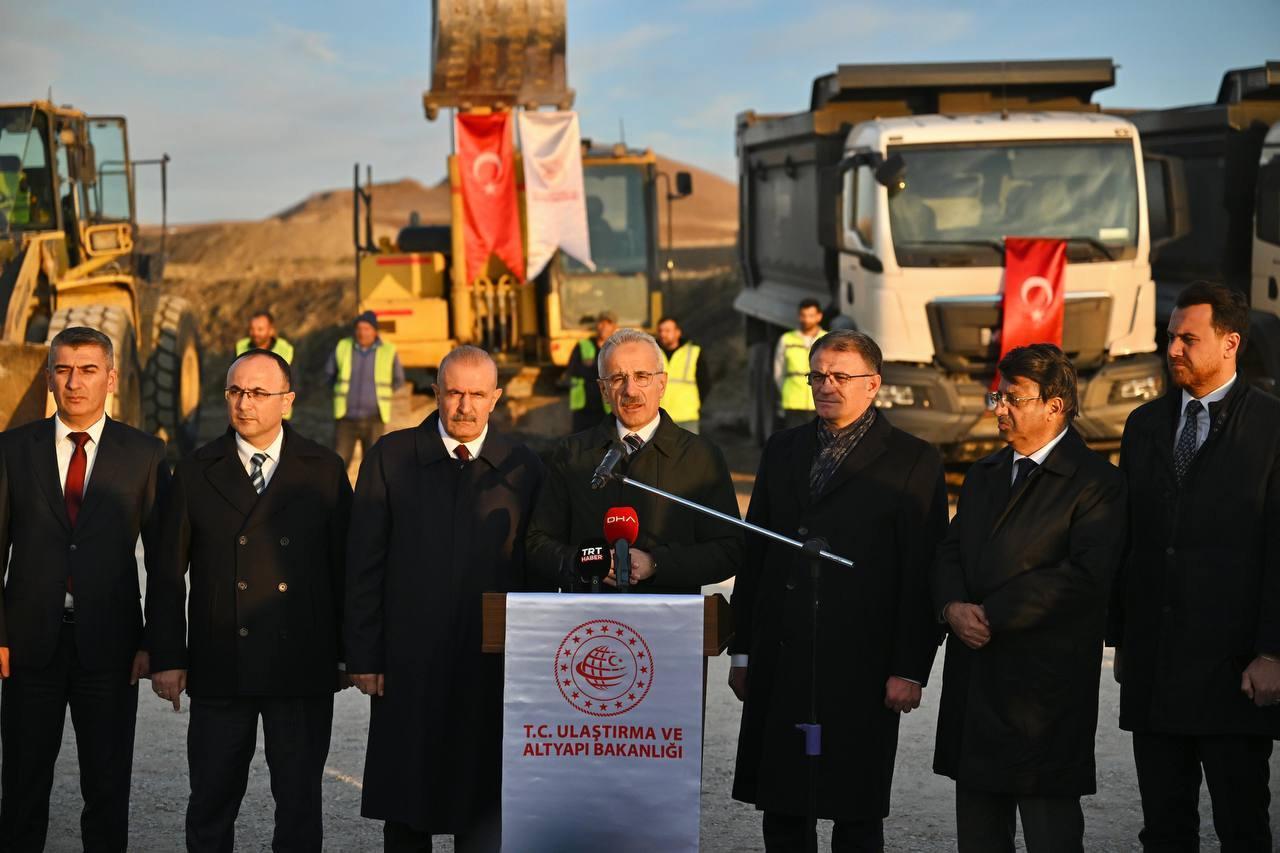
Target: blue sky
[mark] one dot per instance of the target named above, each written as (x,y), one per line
(260,104)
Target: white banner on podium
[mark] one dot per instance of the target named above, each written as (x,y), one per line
(602,726)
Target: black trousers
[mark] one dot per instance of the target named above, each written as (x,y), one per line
(402,838)
(1237,771)
(784,833)
(33,706)
(221,738)
(985,822)
(347,431)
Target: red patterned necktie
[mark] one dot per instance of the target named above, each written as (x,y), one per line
(462,453)
(73,490)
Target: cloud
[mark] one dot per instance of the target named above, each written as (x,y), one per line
(850,28)
(718,114)
(617,51)
(308,42)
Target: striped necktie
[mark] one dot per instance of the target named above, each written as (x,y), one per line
(634,443)
(1185,450)
(255,472)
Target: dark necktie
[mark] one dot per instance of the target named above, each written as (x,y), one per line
(1185,450)
(1024,467)
(256,477)
(462,453)
(73,489)
(634,443)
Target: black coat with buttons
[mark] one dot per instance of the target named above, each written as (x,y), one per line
(1199,595)
(267,573)
(885,508)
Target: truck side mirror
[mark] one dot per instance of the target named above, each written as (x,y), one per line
(684,184)
(892,173)
(1168,216)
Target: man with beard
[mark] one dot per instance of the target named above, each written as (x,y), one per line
(688,380)
(678,550)
(440,517)
(1022,582)
(876,495)
(1196,615)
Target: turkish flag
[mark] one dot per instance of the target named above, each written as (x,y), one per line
(1032,308)
(491,213)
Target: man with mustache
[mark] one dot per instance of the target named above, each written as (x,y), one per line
(1022,582)
(440,517)
(678,550)
(1196,615)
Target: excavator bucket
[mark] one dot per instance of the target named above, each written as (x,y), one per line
(498,54)
(23,390)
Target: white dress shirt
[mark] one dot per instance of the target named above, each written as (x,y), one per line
(1202,419)
(246,450)
(474,446)
(1038,457)
(63,447)
(645,432)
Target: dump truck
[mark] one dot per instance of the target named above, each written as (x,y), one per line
(1224,155)
(70,255)
(424,300)
(888,201)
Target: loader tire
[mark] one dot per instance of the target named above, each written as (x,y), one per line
(171,382)
(125,405)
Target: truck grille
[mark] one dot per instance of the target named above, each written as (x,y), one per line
(965,330)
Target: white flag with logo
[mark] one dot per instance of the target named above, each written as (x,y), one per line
(602,723)
(551,144)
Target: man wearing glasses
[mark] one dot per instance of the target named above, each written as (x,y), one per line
(678,550)
(259,519)
(1022,582)
(876,495)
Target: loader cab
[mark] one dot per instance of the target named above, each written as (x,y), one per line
(27,188)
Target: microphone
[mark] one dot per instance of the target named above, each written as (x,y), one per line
(592,562)
(604,471)
(621,527)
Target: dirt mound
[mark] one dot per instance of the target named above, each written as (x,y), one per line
(709,216)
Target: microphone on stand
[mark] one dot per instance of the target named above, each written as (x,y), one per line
(604,471)
(592,563)
(621,527)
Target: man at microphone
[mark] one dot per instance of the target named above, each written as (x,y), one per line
(677,550)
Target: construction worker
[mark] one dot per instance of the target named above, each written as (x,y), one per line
(586,403)
(262,335)
(791,365)
(364,370)
(687,381)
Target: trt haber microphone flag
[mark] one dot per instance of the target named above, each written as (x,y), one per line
(555,201)
(1033,303)
(491,214)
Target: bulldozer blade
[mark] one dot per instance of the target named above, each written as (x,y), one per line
(23,389)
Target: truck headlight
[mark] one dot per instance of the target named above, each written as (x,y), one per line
(1141,388)
(901,395)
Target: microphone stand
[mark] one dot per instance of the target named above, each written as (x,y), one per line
(815,550)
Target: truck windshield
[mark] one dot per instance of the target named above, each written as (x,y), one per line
(960,202)
(26,181)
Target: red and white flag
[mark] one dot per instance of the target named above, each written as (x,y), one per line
(1032,308)
(555,203)
(491,211)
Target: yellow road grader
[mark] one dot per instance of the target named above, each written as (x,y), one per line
(70,255)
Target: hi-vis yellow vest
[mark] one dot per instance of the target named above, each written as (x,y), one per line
(578,384)
(384,359)
(281,347)
(796,395)
(681,400)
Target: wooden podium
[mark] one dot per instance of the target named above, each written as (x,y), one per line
(717,624)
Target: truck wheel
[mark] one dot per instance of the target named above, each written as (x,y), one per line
(125,405)
(171,383)
(762,394)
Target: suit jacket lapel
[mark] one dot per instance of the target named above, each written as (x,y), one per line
(108,467)
(869,448)
(229,479)
(291,470)
(44,462)
(804,451)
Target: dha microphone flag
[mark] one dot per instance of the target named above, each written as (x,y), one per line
(592,562)
(621,523)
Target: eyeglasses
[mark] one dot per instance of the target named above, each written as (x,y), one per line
(817,380)
(641,378)
(995,398)
(255,395)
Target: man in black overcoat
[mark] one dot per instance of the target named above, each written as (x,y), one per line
(76,489)
(1022,582)
(1196,617)
(877,496)
(258,518)
(678,550)
(440,516)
